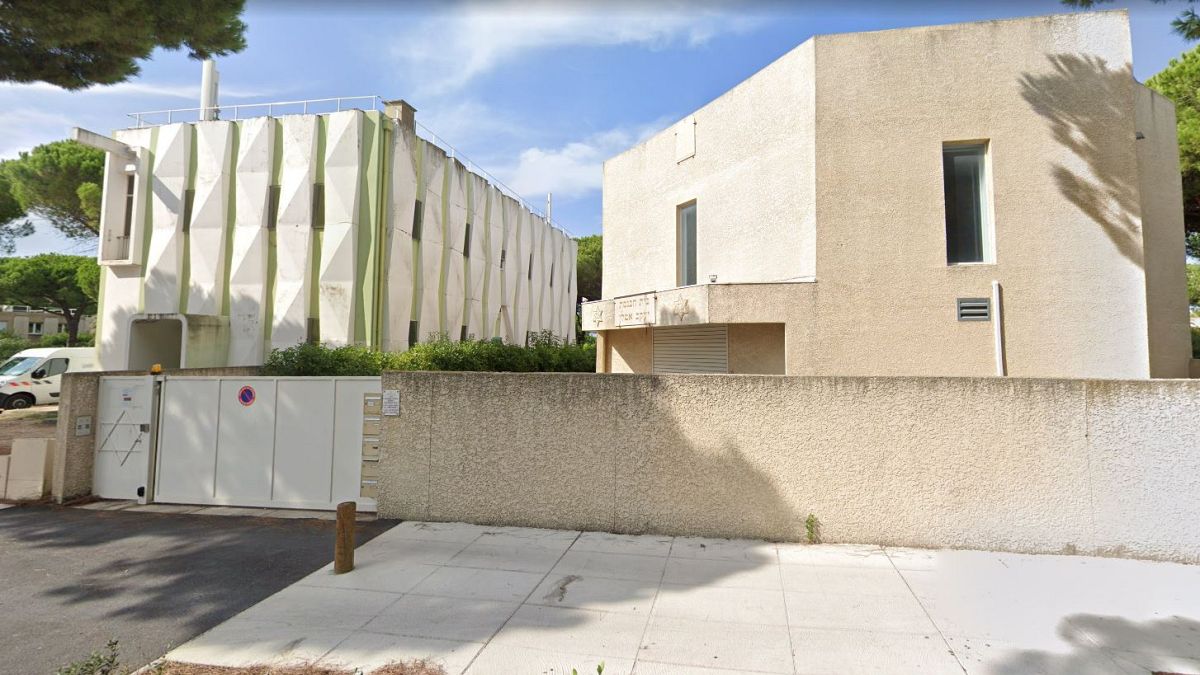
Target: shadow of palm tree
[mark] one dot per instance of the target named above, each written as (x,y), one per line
(1085,102)
(149,580)
(1112,644)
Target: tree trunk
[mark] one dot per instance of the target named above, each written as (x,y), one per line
(72,327)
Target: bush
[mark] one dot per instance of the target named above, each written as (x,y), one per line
(1195,343)
(545,353)
(60,340)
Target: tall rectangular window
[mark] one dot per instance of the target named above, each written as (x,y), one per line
(467,242)
(687,244)
(968,217)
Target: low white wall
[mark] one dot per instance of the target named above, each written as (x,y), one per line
(1032,465)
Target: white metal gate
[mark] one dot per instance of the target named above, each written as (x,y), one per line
(262,441)
(124,415)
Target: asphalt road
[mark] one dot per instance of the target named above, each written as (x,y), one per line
(71,579)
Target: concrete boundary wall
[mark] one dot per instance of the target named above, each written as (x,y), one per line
(1031,465)
(74,455)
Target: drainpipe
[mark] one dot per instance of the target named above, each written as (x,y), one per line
(998,329)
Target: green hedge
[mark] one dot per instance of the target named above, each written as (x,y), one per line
(544,354)
(1196,343)
(11,344)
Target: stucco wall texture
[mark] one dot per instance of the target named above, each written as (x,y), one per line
(1027,465)
(828,164)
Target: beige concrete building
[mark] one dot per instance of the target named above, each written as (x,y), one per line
(33,324)
(976,199)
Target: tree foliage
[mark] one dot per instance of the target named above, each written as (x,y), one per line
(589,266)
(1193,281)
(1180,81)
(1186,24)
(60,182)
(13,225)
(75,44)
(51,281)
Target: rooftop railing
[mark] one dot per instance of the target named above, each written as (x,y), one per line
(239,111)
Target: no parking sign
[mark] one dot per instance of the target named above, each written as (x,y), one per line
(246,395)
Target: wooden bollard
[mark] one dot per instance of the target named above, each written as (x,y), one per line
(343,546)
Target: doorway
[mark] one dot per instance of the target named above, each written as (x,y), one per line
(158,340)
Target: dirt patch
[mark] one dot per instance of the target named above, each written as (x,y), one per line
(39,422)
(397,668)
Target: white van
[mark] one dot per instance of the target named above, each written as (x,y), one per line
(34,376)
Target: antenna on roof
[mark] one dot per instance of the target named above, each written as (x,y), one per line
(209,78)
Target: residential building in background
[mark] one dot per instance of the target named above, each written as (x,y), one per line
(32,324)
(221,240)
(986,198)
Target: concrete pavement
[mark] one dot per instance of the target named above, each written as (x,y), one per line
(485,600)
(71,579)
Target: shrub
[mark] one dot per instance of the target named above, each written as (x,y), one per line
(545,353)
(1196,342)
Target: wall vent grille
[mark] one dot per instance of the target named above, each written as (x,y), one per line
(974,309)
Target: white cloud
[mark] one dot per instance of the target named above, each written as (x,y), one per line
(136,88)
(574,169)
(446,52)
(27,127)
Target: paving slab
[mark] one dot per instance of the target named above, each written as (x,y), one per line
(483,600)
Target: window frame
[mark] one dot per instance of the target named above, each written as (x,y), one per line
(681,278)
(987,234)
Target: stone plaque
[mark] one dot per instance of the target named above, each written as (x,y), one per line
(635,311)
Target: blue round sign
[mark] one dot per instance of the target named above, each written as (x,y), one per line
(246,395)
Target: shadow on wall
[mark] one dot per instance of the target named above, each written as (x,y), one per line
(1109,643)
(1085,103)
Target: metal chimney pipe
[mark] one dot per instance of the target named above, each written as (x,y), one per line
(209,78)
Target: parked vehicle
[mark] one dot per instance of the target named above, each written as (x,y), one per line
(34,376)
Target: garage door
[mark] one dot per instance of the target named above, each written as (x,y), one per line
(691,349)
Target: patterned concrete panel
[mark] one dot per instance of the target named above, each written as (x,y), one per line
(453,263)
(293,231)
(399,290)
(339,249)
(164,262)
(431,242)
(210,214)
(477,273)
(248,258)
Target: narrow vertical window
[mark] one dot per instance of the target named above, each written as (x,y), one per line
(318,206)
(530,275)
(462,334)
(687,244)
(189,199)
(418,219)
(413,330)
(503,255)
(467,242)
(128,224)
(551,275)
(968,220)
(273,206)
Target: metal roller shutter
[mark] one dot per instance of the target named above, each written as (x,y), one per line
(691,349)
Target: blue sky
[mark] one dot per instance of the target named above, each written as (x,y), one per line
(539,94)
